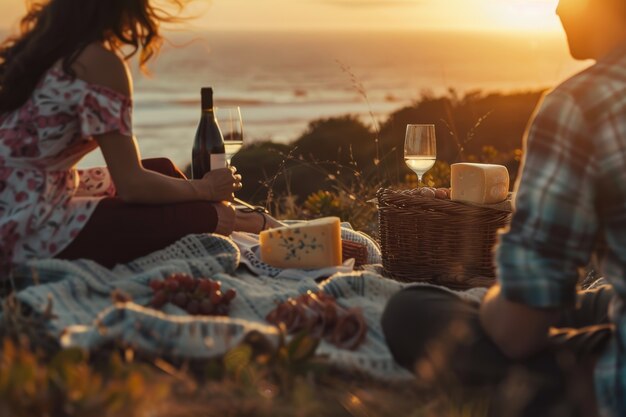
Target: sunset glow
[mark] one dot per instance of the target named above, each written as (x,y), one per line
(511,15)
(525,15)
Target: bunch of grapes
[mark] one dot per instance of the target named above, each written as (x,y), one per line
(197,296)
(321,316)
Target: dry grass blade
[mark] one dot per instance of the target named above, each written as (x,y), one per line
(360,89)
(17,324)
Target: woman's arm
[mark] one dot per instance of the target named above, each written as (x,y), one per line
(135,184)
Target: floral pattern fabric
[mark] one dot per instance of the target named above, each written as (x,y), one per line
(44,200)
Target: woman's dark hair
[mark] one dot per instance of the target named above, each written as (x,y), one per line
(62,29)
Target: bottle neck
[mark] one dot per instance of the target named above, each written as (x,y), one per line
(207,98)
(208,113)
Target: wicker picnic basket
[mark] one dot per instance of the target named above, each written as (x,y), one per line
(439,241)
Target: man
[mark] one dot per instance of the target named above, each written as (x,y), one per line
(571,203)
(571,200)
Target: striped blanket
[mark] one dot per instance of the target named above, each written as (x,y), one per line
(86,316)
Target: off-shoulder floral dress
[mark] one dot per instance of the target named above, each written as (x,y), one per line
(44,200)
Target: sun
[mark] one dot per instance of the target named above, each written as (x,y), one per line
(520,15)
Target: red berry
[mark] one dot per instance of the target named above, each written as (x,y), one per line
(427,192)
(442,194)
(229,295)
(187,282)
(159,299)
(181,300)
(193,307)
(216,297)
(172,285)
(156,284)
(172,278)
(204,287)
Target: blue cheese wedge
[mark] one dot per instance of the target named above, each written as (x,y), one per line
(311,245)
(479,183)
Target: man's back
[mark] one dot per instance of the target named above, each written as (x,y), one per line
(571,202)
(572,194)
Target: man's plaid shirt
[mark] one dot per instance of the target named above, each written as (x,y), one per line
(571,203)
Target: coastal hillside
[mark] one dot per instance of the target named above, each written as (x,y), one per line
(336,152)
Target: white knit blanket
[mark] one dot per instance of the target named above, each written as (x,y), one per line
(86,316)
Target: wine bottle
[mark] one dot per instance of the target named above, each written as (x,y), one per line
(208,148)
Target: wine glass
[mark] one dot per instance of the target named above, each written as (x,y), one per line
(420,149)
(231,125)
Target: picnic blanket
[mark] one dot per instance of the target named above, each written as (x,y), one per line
(86,316)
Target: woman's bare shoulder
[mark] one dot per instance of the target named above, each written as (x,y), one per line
(98,65)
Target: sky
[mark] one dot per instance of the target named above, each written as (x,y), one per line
(515,15)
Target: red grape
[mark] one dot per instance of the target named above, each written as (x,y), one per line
(159,299)
(180,278)
(427,192)
(216,297)
(193,307)
(187,282)
(441,193)
(204,286)
(172,285)
(229,295)
(180,299)
(156,284)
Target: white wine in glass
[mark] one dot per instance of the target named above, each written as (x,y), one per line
(231,124)
(420,149)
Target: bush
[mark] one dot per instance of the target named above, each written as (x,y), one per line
(338,155)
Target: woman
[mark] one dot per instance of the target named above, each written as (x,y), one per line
(64,91)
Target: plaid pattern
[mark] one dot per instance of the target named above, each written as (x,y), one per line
(571,203)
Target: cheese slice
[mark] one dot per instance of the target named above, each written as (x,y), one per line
(310,245)
(479,183)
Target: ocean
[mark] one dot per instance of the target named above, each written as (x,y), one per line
(282,81)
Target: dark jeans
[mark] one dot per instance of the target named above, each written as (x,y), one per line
(118,232)
(438,336)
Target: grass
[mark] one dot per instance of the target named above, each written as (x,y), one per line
(41,379)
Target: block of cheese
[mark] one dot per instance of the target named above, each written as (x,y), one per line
(311,245)
(479,183)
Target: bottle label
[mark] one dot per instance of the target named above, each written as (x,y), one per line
(218,161)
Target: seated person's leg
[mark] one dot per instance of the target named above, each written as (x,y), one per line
(163,166)
(118,232)
(592,309)
(437,335)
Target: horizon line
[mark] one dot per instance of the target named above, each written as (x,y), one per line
(438,30)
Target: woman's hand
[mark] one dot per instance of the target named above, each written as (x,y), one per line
(219,185)
(254,222)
